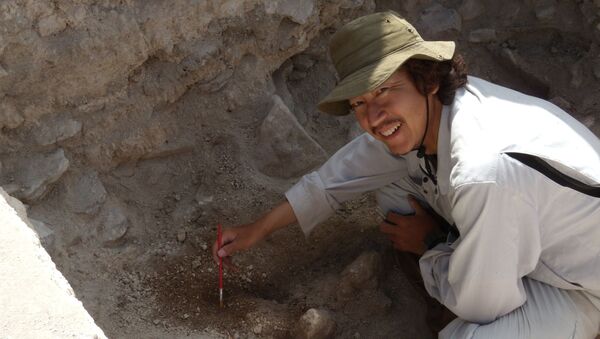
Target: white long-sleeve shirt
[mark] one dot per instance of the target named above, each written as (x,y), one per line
(513,221)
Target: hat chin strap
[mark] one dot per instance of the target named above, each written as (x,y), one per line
(421,149)
(428,170)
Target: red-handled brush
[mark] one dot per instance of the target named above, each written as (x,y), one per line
(219,240)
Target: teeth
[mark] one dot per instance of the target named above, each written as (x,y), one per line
(389,132)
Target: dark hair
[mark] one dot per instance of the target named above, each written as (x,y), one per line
(450,75)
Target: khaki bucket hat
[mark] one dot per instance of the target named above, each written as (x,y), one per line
(368,50)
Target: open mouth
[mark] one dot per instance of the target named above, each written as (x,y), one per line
(389,129)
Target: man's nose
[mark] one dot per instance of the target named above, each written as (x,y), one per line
(375,113)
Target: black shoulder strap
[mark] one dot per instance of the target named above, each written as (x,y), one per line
(554,174)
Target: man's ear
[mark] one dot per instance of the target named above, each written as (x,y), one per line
(434,89)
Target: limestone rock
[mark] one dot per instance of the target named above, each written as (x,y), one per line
(316,324)
(483,35)
(3,72)
(361,274)
(45,234)
(297,11)
(576,75)
(181,235)
(545,9)
(32,177)
(352,3)
(284,148)
(9,116)
(85,193)
(114,225)
(471,9)
(438,21)
(54,130)
(51,24)
(140,143)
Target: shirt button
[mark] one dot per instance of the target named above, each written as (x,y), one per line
(425,179)
(425,191)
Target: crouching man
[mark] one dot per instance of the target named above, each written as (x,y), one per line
(517,177)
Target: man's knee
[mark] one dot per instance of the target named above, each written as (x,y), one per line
(549,312)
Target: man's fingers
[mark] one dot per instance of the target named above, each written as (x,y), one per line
(415,204)
(228,249)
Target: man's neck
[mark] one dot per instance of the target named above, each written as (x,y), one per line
(435,116)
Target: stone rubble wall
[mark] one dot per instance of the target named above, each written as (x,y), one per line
(37,301)
(96,83)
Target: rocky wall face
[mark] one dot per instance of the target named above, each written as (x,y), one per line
(105,80)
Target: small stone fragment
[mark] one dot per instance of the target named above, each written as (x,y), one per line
(257,329)
(51,24)
(203,200)
(204,246)
(85,193)
(156,321)
(9,115)
(181,235)
(45,234)
(361,274)
(576,75)
(471,9)
(196,263)
(316,324)
(114,225)
(297,11)
(53,130)
(545,9)
(483,35)
(3,72)
(351,3)
(284,148)
(34,176)
(437,20)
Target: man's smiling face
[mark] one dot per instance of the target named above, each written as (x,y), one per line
(394,113)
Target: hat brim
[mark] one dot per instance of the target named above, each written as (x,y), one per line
(370,77)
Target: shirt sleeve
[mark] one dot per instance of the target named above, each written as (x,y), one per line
(362,165)
(479,276)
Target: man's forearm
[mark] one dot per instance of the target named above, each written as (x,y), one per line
(279,217)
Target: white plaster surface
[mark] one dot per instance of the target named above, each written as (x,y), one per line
(37,301)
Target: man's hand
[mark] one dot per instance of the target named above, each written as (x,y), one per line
(236,239)
(245,236)
(408,233)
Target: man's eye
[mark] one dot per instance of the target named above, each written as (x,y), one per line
(356,104)
(381,90)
